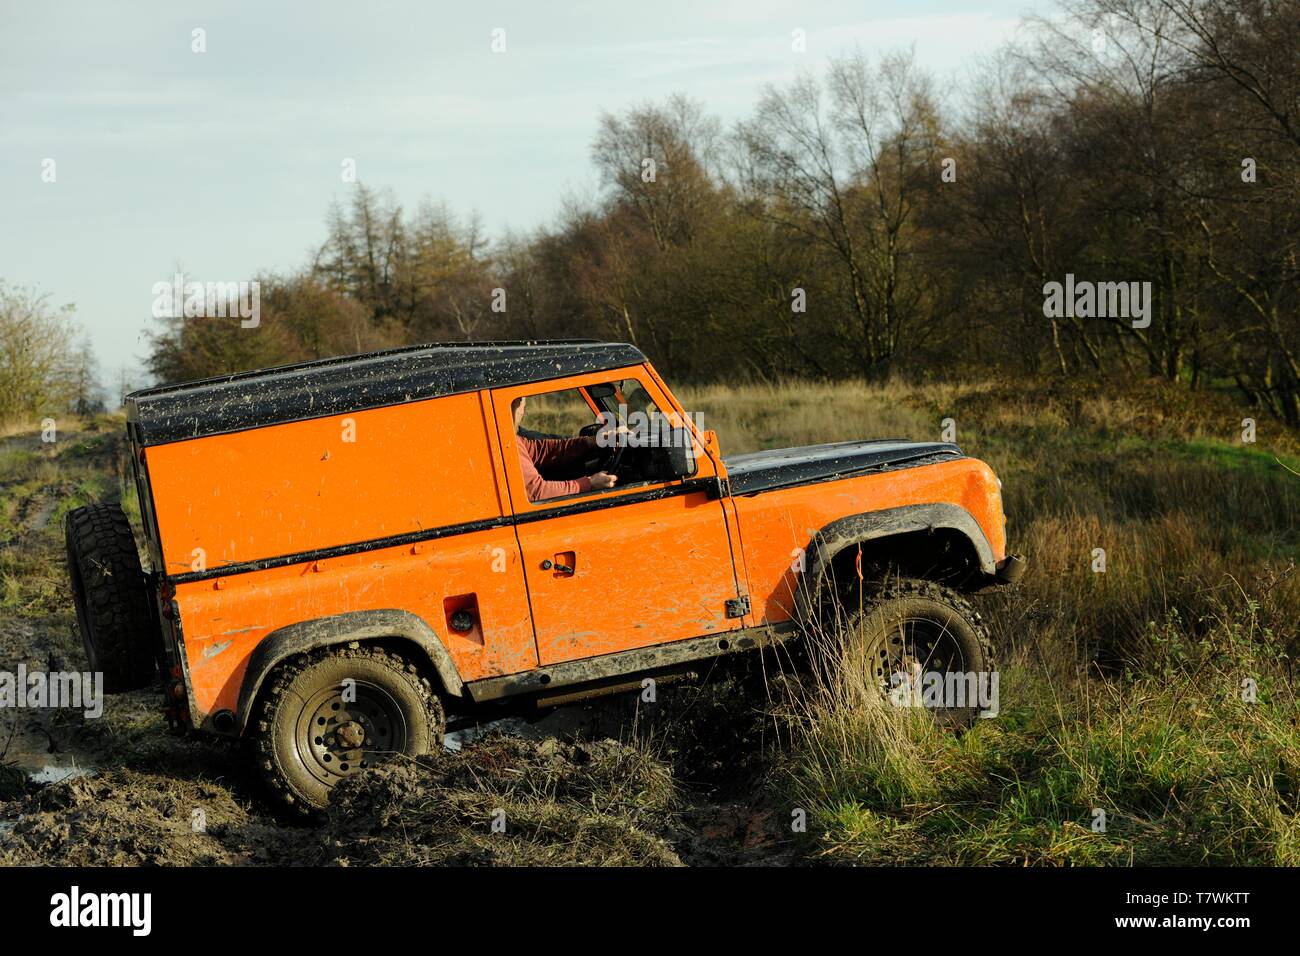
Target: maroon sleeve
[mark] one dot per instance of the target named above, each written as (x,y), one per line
(558,451)
(538,488)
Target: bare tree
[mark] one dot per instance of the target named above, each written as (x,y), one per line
(658,161)
(845,171)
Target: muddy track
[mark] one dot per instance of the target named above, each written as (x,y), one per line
(678,782)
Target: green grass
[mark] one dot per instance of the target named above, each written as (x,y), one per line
(1234,457)
(1185,770)
(39,484)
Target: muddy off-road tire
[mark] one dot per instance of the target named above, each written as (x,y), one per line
(111,597)
(306,736)
(913,626)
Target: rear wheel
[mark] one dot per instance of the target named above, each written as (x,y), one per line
(922,644)
(328,715)
(110,596)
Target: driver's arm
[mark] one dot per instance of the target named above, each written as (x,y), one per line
(535,451)
(548,452)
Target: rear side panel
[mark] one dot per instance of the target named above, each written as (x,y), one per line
(777,526)
(266,528)
(315,484)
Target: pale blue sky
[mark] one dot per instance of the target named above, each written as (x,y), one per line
(225,162)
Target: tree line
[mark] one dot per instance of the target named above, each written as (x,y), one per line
(859,222)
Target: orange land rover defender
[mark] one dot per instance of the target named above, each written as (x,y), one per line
(343,552)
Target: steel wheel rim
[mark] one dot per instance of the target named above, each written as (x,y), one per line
(336,738)
(909,643)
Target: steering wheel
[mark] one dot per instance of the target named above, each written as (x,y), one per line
(614,458)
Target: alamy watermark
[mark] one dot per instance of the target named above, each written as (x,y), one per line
(1098,300)
(74,690)
(209,300)
(133,911)
(945,690)
(651,429)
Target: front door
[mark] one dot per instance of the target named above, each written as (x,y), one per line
(645,562)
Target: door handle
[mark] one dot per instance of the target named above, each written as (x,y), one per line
(559,568)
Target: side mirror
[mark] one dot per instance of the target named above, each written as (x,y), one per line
(680,453)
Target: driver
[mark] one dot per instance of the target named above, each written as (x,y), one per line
(535,452)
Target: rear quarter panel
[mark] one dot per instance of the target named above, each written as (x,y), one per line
(225,619)
(307,485)
(292,489)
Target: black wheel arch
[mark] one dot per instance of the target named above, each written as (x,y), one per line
(970,556)
(390,626)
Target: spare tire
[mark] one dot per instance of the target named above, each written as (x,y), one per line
(111,597)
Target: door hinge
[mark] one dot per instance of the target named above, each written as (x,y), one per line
(738,607)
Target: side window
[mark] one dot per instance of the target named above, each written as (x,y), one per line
(589,440)
(558,453)
(630,404)
(559,414)
(654,445)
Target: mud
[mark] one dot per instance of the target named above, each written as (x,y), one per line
(502,799)
(510,801)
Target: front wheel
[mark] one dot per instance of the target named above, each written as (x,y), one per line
(922,644)
(338,711)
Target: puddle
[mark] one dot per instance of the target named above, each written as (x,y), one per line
(458,739)
(560,722)
(42,518)
(54,773)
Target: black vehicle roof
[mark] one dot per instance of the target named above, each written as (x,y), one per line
(351,383)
